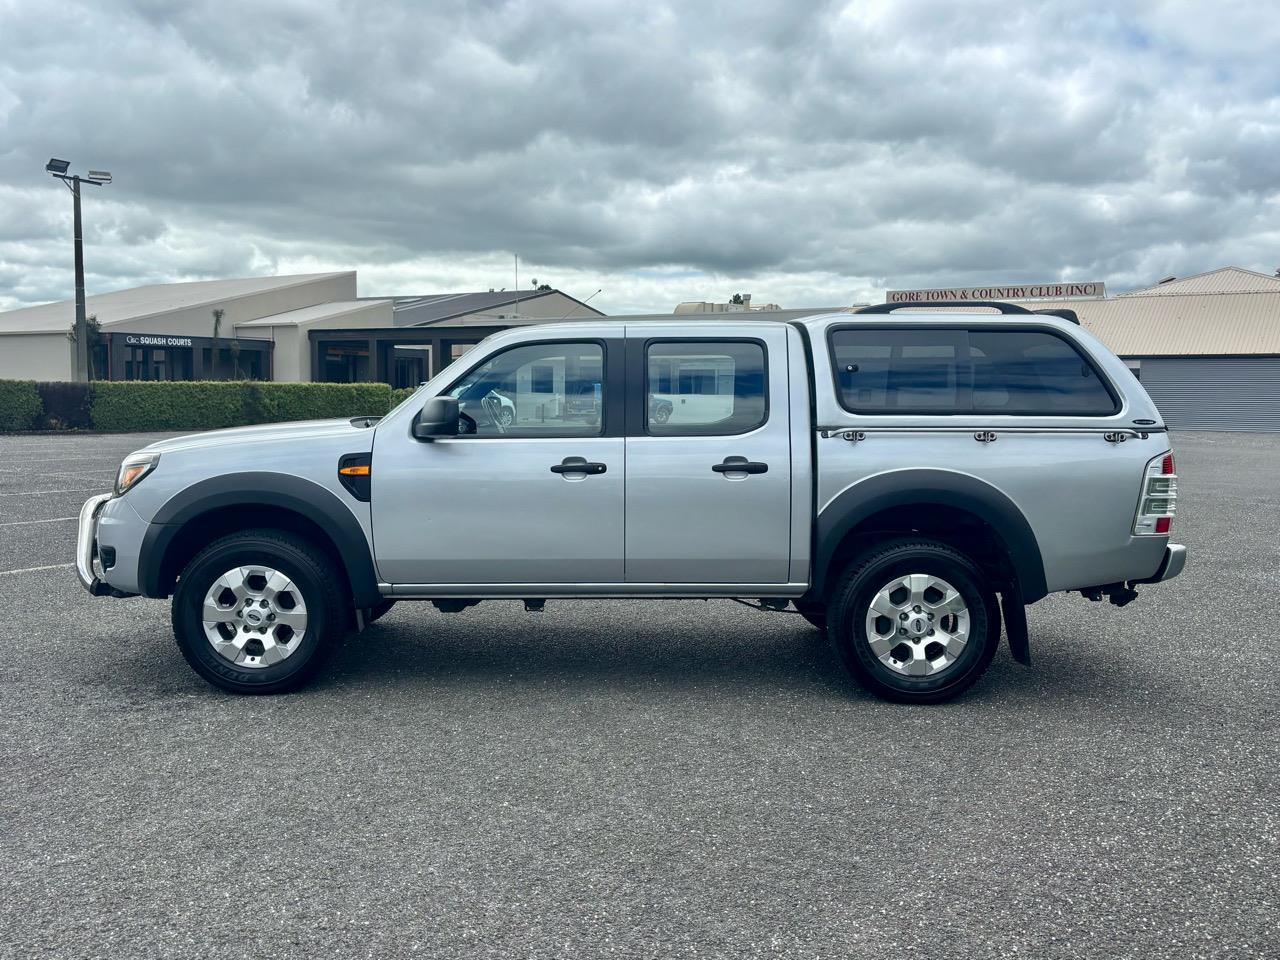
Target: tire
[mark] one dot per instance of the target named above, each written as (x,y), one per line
(255,582)
(662,415)
(952,624)
(815,613)
(506,417)
(377,612)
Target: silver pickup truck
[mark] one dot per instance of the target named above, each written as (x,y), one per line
(905,481)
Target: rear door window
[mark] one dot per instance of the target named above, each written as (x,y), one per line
(705,388)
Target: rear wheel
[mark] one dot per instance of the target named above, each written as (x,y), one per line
(915,621)
(259,612)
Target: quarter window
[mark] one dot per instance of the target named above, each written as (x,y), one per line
(1031,372)
(537,390)
(705,388)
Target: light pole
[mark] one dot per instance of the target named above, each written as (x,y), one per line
(58,170)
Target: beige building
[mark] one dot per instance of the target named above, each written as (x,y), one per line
(1206,347)
(292,328)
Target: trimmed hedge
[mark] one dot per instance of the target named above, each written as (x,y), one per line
(182,404)
(277,402)
(167,405)
(397,396)
(19,404)
(66,406)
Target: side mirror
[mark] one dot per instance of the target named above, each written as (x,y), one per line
(438,418)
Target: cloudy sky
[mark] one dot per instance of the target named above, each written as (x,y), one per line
(810,154)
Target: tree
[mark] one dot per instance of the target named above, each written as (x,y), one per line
(94,331)
(736,298)
(216,352)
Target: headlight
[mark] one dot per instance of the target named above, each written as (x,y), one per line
(135,467)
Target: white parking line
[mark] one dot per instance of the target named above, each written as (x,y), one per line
(54,473)
(51,566)
(53,459)
(18,523)
(36,493)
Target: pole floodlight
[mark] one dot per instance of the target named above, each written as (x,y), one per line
(58,169)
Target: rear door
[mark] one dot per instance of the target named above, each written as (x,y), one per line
(708,450)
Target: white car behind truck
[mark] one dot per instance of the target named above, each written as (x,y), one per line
(905,481)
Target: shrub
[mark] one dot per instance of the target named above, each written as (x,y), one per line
(65,406)
(19,404)
(166,404)
(183,404)
(397,396)
(278,402)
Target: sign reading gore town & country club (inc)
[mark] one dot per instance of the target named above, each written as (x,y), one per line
(155,340)
(1025,291)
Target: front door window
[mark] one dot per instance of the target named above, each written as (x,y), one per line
(536,390)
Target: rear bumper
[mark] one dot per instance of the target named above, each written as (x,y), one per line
(87,545)
(1175,558)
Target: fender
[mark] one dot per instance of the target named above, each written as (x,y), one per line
(901,488)
(284,491)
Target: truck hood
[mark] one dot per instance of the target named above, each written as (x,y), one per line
(359,429)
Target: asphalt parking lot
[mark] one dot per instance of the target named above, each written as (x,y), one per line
(643,779)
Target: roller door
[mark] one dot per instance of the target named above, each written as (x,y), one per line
(1225,394)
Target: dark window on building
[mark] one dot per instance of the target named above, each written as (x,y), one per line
(345,361)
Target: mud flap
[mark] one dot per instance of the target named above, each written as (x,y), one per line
(1014,612)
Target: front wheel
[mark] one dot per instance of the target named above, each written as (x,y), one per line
(914,621)
(259,612)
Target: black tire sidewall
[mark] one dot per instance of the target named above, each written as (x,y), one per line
(855,598)
(246,551)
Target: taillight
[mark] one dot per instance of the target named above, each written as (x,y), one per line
(1156,506)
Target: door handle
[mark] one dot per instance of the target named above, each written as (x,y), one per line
(578,465)
(740,465)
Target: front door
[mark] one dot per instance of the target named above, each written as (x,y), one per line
(708,457)
(531,492)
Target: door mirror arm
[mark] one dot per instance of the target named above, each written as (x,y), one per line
(437,418)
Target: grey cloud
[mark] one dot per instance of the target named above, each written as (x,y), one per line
(671,148)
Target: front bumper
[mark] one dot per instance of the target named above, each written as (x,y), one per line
(1175,558)
(87,546)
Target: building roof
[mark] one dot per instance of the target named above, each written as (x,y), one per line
(1222,280)
(1157,325)
(441,307)
(309,316)
(137,302)
(746,316)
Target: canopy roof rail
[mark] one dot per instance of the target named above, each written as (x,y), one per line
(1007,308)
(1062,312)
